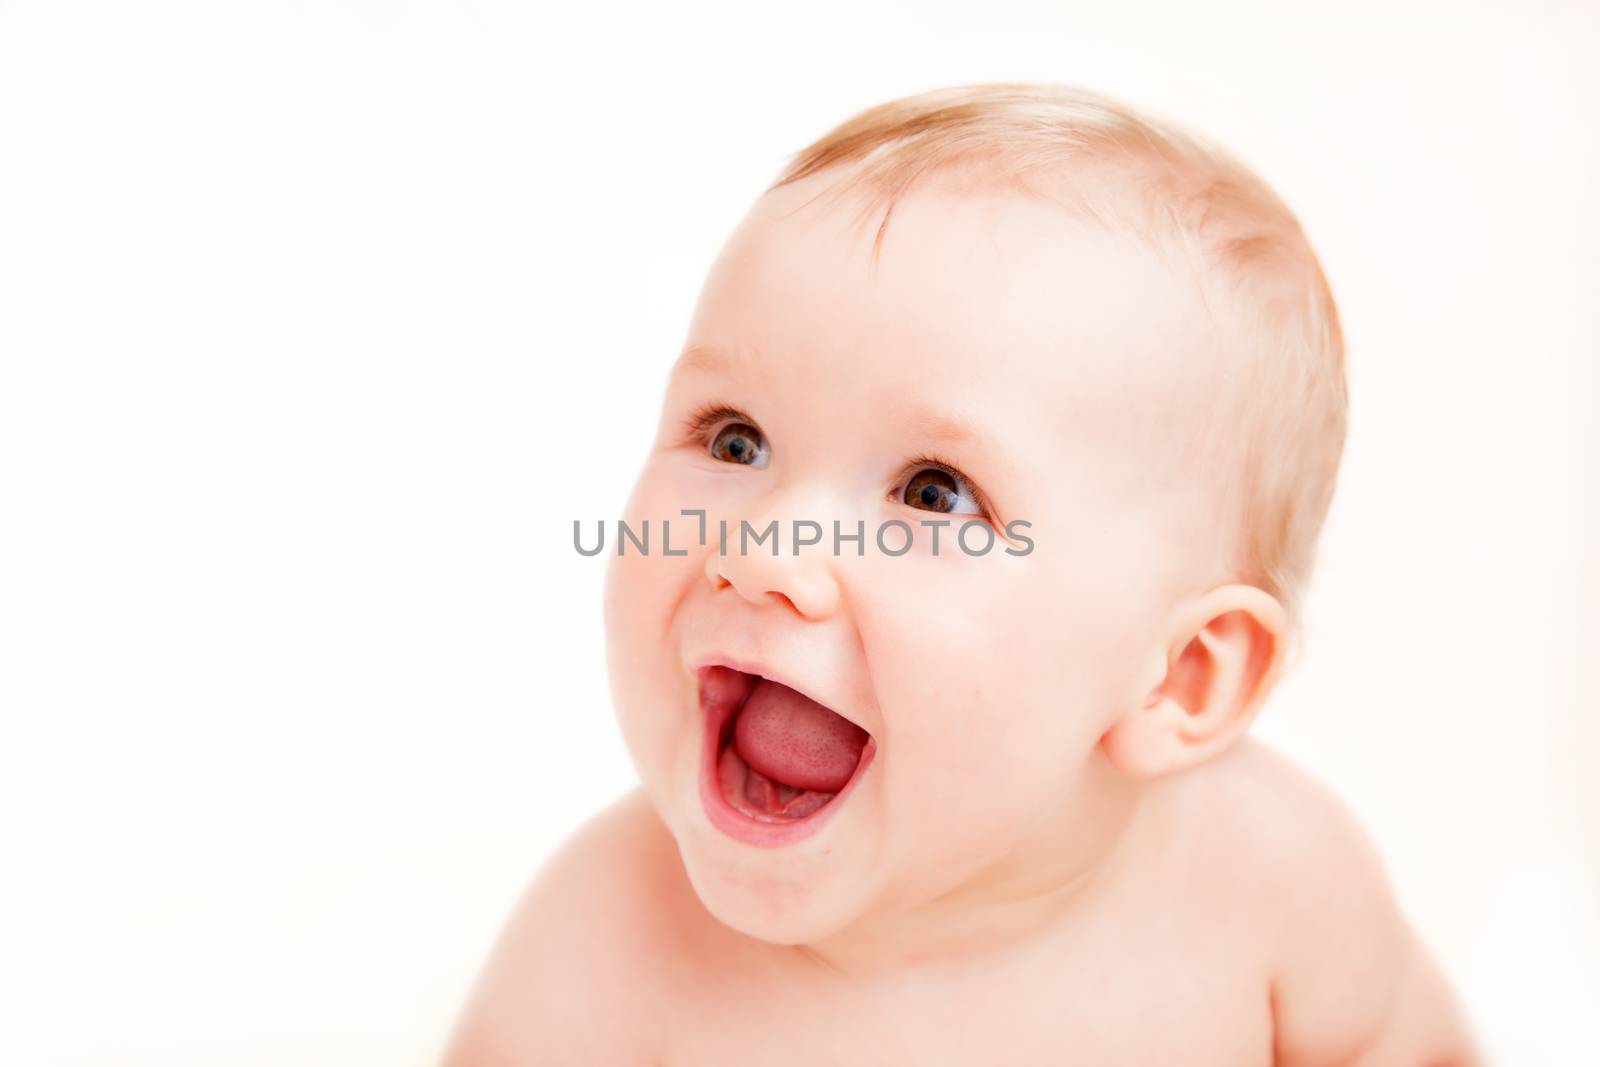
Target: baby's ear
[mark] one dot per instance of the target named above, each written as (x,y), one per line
(1222,655)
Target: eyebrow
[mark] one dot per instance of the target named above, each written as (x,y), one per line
(704,359)
(938,426)
(942,427)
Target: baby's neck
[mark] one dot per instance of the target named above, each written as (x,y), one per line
(1011,906)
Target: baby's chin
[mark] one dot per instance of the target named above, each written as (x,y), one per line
(805,891)
(779,907)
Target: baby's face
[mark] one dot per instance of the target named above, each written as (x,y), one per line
(1041,363)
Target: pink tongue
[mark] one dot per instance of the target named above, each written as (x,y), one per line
(792,739)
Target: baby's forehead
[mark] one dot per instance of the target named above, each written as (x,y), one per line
(985,289)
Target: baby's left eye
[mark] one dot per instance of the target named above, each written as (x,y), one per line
(941,490)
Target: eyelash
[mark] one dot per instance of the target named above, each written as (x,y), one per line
(924,461)
(701,420)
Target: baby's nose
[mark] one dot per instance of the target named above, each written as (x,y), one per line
(778,551)
(802,579)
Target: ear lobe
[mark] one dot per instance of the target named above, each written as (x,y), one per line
(1223,658)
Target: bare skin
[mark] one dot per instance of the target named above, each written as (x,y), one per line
(1245,882)
(1066,849)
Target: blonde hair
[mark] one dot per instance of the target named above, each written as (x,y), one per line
(1278,433)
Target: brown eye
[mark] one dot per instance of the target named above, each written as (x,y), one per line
(932,490)
(739,442)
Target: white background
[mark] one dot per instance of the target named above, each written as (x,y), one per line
(320,323)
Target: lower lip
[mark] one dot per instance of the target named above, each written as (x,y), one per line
(741,827)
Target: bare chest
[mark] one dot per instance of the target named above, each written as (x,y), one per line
(1125,996)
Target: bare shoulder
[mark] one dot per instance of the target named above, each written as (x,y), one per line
(582,963)
(1349,980)
(1276,826)
(1292,827)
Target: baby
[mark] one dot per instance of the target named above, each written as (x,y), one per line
(968,548)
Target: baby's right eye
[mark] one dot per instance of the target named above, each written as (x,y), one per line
(733,437)
(739,442)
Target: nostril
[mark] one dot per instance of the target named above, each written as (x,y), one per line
(714,573)
(801,588)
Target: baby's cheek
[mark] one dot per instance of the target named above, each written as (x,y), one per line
(642,585)
(944,659)
(652,546)
(996,650)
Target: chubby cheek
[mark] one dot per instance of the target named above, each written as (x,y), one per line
(993,679)
(642,594)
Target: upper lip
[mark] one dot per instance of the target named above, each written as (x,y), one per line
(749,665)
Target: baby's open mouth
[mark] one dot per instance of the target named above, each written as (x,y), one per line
(780,756)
